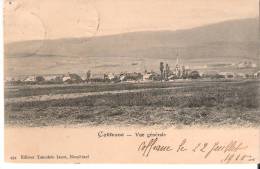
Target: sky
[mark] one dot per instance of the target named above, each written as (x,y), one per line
(54,19)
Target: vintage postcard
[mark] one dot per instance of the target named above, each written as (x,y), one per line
(132,81)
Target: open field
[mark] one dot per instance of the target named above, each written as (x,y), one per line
(188,103)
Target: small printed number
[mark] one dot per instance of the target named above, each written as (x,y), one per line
(13,158)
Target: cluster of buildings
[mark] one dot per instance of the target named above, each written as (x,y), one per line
(166,74)
(179,72)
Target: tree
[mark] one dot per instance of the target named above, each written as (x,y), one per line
(88,76)
(183,72)
(167,71)
(162,70)
(39,79)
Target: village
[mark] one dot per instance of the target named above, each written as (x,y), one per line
(164,74)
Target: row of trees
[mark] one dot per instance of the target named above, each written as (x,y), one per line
(180,72)
(165,72)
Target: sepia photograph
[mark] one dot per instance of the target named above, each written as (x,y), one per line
(131,64)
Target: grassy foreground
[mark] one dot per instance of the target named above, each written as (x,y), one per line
(167,104)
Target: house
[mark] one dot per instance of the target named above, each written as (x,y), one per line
(49,77)
(53,78)
(34,79)
(30,79)
(66,78)
(212,75)
(83,77)
(227,75)
(257,74)
(131,76)
(240,75)
(148,76)
(72,78)
(122,77)
(97,78)
(110,76)
(246,64)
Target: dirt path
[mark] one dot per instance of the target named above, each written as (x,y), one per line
(78,95)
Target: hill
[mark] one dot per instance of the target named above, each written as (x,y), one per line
(226,42)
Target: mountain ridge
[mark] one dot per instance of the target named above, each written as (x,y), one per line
(228,41)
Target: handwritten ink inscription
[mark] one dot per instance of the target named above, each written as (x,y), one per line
(146,148)
(231,152)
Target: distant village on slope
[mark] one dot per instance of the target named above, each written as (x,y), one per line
(164,73)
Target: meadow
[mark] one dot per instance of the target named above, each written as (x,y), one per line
(201,103)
